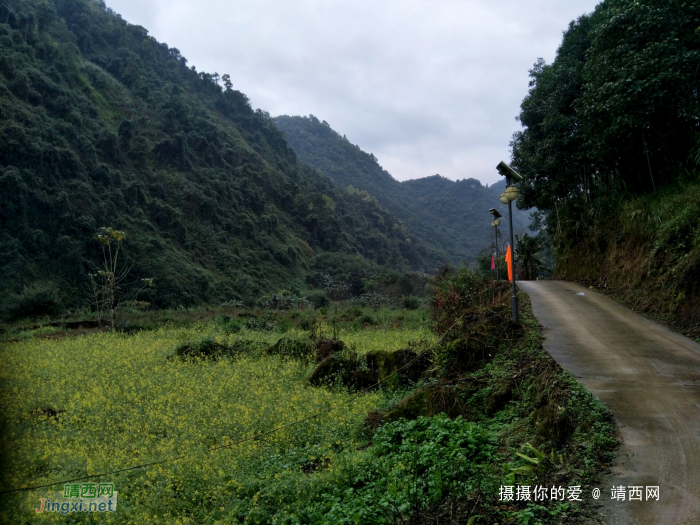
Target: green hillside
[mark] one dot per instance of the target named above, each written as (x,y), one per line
(610,153)
(446,215)
(102,125)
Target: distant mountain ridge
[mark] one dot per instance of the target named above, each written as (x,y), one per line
(449,216)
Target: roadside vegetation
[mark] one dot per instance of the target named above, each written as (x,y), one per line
(647,254)
(434,440)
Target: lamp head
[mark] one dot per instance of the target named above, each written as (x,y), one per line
(511,193)
(508,172)
(504,199)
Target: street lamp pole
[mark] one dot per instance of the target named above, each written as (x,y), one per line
(514,298)
(509,196)
(496,222)
(498,266)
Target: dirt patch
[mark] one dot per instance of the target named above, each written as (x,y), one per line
(47,412)
(208,348)
(656,278)
(500,395)
(370,369)
(328,347)
(293,348)
(374,420)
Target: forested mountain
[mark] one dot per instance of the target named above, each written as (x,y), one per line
(102,125)
(444,214)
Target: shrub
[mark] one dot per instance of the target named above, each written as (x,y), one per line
(309,323)
(295,348)
(458,293)
(203,348)
(412,465)
(411,303)
(36,300)
(229,325)
(318,299)
(368,319)
(285,300)
(262,324)
(208,348)
(373,299)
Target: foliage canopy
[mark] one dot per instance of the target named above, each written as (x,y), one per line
(616,114)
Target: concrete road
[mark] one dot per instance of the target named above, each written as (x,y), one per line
(649,377)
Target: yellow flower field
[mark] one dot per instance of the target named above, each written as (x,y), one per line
(103,402)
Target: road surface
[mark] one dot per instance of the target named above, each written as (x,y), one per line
(649,377)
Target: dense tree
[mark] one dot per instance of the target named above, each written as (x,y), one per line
(527,253)
(228,85)
(102,124)
(616,113)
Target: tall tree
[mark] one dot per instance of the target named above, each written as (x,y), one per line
(617,111)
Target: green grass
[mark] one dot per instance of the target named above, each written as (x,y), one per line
(19,333)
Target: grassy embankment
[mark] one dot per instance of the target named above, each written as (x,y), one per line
(646,252)
(104,401)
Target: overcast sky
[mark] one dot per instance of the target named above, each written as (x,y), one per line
(428,86)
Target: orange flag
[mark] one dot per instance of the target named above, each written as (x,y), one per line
(509,260)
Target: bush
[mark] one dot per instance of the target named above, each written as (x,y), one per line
(368,319)
(412,465)
(208,348)
(309,323)
(456,294)
(295,348)
(229,325)
(285,300)
(36,300)
(201,349)
(267,323)
(318,299)
(373,299)
(411,303)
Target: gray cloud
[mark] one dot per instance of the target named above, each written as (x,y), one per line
(428,86)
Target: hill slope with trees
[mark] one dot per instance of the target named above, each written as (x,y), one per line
(446,215)
(610,152)
(102,125)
